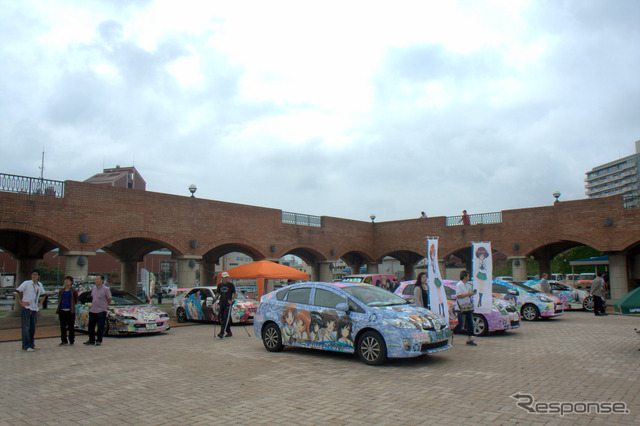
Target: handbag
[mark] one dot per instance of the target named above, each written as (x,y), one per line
(466,307)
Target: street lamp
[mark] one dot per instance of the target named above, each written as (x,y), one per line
(192,189)
(557,194)
(372,217)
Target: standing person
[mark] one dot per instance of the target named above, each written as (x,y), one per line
(463,298)
(544,284)
(30,295)
(465,218)
(597,293)
(67,299)
(225,295)
(421,291)
(100,299)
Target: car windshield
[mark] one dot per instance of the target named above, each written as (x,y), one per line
(526,288)
(122,298)
(374,296)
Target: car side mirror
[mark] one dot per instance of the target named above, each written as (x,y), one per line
(513,292)
(208,302)
(342,307)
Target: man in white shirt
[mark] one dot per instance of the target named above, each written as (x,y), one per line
(30,295)
(463,297)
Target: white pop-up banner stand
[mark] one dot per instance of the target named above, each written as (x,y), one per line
(437,295)
(482,276)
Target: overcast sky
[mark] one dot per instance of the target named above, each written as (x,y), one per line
(327,108)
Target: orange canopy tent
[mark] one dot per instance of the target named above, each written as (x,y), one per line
(265,269)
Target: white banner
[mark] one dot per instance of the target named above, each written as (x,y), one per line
(437,295)
(144,280)
(482,276)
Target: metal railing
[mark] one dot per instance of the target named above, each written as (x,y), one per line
(631,202)
(301,219)
(31,185)
(475,219)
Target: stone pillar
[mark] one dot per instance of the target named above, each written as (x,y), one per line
(77,263)
(187,267)
(325,274)
(544,265)
(618,280)
(25,266)
(208,273)
(315,272)
(519,266)
(410,271)
(129,276)
(442,264)
(372,268)
(355,267)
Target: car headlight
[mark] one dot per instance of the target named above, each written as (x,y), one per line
(545,299)
(400,323)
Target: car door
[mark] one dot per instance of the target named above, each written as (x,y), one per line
(295,318)
(333,329)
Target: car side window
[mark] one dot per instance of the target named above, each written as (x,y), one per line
(195,290)
(327,299)
(409,289)
(449,292)
(499,288)
(281,293)
(367,280)
(299,295)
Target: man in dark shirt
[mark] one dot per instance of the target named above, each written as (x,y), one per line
(225,296)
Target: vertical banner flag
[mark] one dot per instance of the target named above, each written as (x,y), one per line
(144,279)
(482,276)
(437,295)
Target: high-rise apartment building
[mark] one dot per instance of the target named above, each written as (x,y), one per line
(620,177)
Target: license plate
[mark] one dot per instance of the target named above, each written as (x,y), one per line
(152,326)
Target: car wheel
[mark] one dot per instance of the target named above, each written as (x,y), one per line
(480,326)
(181,315)
(272,338)
(587,303)
(371,348)
(530,312)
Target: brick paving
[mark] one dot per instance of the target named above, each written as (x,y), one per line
(187,376)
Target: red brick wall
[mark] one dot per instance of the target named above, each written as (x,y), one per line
(111,214)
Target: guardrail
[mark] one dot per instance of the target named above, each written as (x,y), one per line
(475,219)
(301,219)
(31,185)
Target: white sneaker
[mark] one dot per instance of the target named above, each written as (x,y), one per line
(30,350)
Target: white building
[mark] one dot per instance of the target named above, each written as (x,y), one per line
(619,177)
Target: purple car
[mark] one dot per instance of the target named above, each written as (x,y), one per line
(503,315)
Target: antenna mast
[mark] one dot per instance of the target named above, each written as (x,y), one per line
(42,166)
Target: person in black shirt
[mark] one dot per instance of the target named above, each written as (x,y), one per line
(225,296)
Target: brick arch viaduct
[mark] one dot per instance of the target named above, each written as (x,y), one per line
(129,224)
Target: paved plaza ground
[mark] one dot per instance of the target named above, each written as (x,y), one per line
(188,377)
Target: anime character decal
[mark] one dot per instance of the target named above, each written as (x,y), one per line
(324,329)
(437,295)
(343,328)
(301,328)
(289,313)
(315,326)
(482,273)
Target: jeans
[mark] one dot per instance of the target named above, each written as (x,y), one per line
(98,319)
(468,322)
(29,320)
(67,320)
